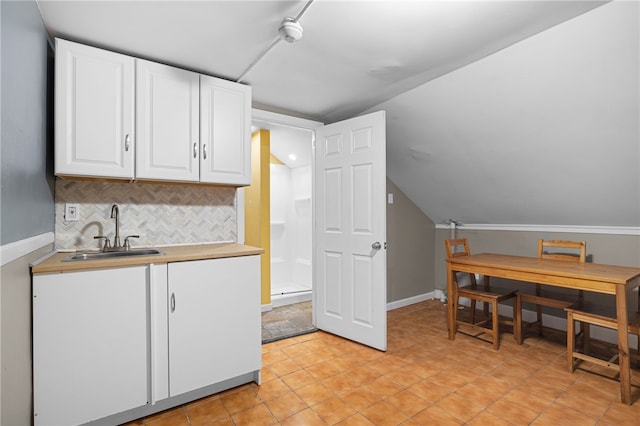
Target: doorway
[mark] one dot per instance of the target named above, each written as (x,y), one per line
(290,199)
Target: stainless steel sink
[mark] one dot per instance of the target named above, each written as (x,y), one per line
(112,254)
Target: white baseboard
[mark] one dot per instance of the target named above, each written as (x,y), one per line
(410,301)
(12,251)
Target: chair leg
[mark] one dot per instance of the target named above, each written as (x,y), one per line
(571,341)
(517,320)
(473,311)
(495,324)
(539,316)
(586,337)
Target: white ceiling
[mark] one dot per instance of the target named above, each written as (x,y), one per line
(357,56)
(353,54)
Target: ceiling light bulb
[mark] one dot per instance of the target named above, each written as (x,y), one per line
(290,30)
(292,157)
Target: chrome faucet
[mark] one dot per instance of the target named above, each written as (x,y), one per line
(114,215)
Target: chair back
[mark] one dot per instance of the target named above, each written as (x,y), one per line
(572,251)
(453,247)
(459,247)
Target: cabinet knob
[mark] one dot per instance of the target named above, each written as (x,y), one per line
(204,151)
(126,143)
(195,150)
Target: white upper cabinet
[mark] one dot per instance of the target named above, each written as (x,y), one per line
(183,126)
(225,122)
(167,122)
(94,112)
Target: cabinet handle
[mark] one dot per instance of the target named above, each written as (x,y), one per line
(173,302)
(195,150)
(204,151)
(126,143)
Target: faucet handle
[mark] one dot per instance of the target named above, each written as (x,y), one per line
(107,243)
(127,244)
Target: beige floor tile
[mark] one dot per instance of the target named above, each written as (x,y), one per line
(360,398)
(459,407)
(333,410)
(314,393)
(340,383)
(286,405)
(487,418)
(558,414)
(306,417)
(407,402)
(282,368)
(513,413)
(298,379)
(272,389)
(434,416)
(206,412)
(429,391)
(355,420)
(383,414)
(240,401)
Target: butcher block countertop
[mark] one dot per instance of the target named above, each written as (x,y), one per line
(55,262)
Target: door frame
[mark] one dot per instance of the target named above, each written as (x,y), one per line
(280,120)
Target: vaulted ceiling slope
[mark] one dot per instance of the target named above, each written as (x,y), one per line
(546,131)
(498,112)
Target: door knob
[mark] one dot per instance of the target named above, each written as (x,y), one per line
(376,246)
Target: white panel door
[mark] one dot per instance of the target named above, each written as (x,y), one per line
(94,112)
(167,121)
(225,132)
(90,355)
(350,229)
(214,321)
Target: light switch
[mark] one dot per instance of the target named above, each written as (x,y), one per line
(390,198)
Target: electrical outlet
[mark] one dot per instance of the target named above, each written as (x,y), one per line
(71,212)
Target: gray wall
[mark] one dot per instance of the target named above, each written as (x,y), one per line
(410,252)
(26,203)
(26,196)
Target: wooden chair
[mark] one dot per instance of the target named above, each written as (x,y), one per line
(571,251)
(601,316)
(484,293)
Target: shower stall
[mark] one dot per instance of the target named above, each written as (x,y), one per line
(291,230)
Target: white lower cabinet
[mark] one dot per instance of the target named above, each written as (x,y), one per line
(117,344)
(214,321)
(89,344)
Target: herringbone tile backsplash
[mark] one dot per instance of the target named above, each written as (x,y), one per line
(160,214)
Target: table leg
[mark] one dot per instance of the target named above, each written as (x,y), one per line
(623,345)
(452,302)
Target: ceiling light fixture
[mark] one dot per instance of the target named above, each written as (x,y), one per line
(290,31)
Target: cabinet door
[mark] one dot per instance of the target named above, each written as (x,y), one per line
(214,321)
(225,132)
(167,120)
(93,112)
(90,356)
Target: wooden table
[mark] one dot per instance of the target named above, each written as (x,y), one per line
(607,279)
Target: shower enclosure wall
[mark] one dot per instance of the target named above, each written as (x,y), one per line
(290,234)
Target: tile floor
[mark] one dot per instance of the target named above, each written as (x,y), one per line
(422,379)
